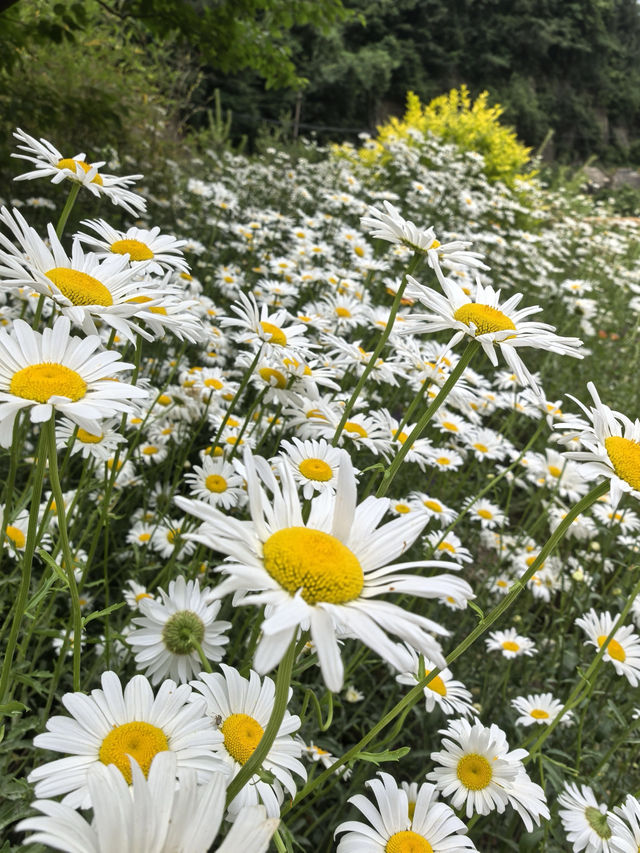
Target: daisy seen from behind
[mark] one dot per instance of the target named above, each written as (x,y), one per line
(240,708)
(110,725)
(152,815)
(326,574)
(393,827)
(54,371)
(172,633)
(584,820)
(625,826)
(477,771)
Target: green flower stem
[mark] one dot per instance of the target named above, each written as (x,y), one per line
(413,266)
(247,420)
(419,428)
(203,658)
(8,491)
(413,696)
(66,210)
(283,682)
(243,384)
(27,563)
(586,683)
(56,490)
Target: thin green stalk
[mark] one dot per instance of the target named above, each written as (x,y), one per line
(413,266)
(56,490)
(243,384)
(416,692)
(203,658)
(66,210)
(419,428)
(10,481)
(27,563)
(245,424)
(283,682)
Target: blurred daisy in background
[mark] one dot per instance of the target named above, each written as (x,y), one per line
(623,649)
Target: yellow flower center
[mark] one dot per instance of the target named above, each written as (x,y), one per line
(407,842)
(554,470)
(315,562)
(70,163)
(450,426)
(343,312)
(150,450)
(434,506)
(144,537)
(278,337)
(446,546)
(136,249)
(351,426)
(485,513)
(484,318)
(443,460)
(481,447)
(164,400)
(141,741)
(402,508)
(539,714)
(241,736)
(510,646)
(614,649)
(79,287)
(269,373)
(625,458)
(216,483)
(474,771)
(16,536)
(402,437)
(359,251)
(213,383)
(39,382)
(315,469)
(437,685)
(88,437)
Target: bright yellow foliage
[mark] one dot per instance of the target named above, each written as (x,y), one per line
(454,118)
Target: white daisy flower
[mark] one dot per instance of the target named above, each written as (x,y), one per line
(49,162)
(477,770)
(510,643)
(493,324)
(112,725)
(585,821)
(265,329)
(612,446)
(165,637)
(161,251)
(486,513)
(539,708)
(135,594)
(90,445)
(623,649)
(392,827)
(451,696)
(240,709)
(625,826)
(53,371)
(167,537)
(314,464)
(323,575)
(216,482)
(83,287)
(152,815)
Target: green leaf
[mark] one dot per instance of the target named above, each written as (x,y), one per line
(98,613)
(386,755)
(48,559)
(476,609)
(12,707)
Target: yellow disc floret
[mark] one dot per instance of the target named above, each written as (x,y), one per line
(70,163)
(139,740)
(614,649)
(216,483)
(39,382)
(314,562)
(625,458)
(510,646)
(277,336)
(474,771)
(79,287)
(88,437)
(15,535)
(136,249)
(241,736)
(315,469)
(539,714)
(407,842)
(484,318)
(437,685)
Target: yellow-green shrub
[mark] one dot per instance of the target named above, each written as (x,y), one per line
(454,118)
